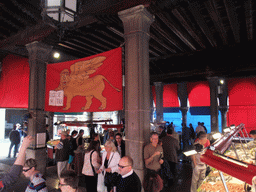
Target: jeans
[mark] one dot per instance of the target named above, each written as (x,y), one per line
(16,147)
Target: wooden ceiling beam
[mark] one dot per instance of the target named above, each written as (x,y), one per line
(190,29)
(233,19)
(103,40)
(157,48)
(216,18)
(16,16)
(195,10)
(71,48)
(167,37)
(28,35)
(110,36)
(36,15)
(249,18)
(177,30)
(92,42)
(81,48)
(162,43)
(153,53)
(91,47)
(9,22)
(116,31)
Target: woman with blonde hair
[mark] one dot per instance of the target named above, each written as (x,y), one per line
(110,160)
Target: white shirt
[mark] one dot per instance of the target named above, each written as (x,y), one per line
(127,174)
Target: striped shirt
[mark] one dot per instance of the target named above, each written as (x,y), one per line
(37,184)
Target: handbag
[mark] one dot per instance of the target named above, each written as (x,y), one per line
(94,173)
(100,184)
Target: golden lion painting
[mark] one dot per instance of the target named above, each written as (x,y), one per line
(78,83)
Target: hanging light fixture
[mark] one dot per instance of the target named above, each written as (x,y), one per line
(61,14)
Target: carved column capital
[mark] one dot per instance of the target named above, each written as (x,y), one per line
(136,19)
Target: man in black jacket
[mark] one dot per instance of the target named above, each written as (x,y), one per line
(128,180)
(171,147)
(15,141)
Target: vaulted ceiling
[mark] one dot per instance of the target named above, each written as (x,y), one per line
(191,40)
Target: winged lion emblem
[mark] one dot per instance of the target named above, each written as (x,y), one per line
(77,82)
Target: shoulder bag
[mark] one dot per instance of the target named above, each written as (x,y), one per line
(94,173)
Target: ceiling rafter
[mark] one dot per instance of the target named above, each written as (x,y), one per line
(67,45)
(103,40)
(92,47)
(35,17)
(177,30)
(168,37)
(116,31)
(184,22)
(249,18)
(195,10)
(110,36)
(92,41)
(76,46)
(154,46)
(7,21)
(16,16)
(233,19)
(162,43)
(216,18)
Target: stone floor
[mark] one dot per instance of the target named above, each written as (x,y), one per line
(183,184)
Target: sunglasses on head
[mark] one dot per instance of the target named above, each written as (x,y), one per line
(26,170)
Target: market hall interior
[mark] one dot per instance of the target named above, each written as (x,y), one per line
(246,108)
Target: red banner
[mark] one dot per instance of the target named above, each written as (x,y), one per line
(91,84)
(14,82)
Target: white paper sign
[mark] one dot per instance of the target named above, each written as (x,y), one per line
(40,140)
(56,98)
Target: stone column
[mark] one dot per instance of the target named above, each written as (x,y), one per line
(152,109)
(159,88)
(213,81)
(223,98)
(136,23)
(223,111)
(50,123)
(183,96)
(38,56)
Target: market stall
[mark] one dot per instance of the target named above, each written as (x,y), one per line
(232,164)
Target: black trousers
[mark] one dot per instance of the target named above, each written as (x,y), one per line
(173,168)
(90,183)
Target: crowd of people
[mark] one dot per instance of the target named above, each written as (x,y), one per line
(111,169)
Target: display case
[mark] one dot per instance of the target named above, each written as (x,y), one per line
(232,162)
